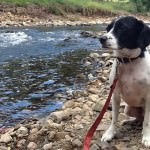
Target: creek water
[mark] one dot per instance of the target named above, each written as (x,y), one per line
(37,66)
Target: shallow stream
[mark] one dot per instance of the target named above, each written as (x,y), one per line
(37,66)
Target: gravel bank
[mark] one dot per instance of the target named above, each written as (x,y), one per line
(65,128)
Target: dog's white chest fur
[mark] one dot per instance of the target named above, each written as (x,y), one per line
(133,80)
(129,37)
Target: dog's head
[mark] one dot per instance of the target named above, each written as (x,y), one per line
(126,32)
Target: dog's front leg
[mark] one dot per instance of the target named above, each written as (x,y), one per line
(111,131)
(146,123)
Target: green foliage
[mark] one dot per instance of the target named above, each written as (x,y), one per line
(142,5)
(86,7)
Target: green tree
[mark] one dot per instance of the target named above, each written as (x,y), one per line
(142,5)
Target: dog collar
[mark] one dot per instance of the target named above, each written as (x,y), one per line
(126,60)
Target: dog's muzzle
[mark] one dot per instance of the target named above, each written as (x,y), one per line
(103,39)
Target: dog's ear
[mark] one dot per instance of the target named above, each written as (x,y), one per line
(110,26)
(144,35)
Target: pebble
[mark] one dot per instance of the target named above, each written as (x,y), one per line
(48,146)
(33,136)
(22,132)
(93,90)
(77,143)
(32,146)
(58,116)
(105,146)
(98,107)
(51,135)
(87,63)
(3,148)
(60,135)
(95,55)
(78,126)
(103,79)
(94,147)
(106,55)
(68,138)
(68,104)
(21,143)
(34,130)
(6,138)
(93,97)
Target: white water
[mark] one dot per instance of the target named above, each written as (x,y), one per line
(12,39)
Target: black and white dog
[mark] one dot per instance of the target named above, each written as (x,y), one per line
(129,37)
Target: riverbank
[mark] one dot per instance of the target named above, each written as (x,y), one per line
(8,19)
(65,128)
(44,13)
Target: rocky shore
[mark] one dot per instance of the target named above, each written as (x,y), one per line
(9,19)
(66,128)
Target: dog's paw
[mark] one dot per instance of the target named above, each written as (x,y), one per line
(108,135)
(146,140)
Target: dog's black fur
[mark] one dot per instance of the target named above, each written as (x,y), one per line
(130,32)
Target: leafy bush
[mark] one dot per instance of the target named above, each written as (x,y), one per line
(142,5)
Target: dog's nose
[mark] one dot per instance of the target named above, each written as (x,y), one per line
(103,39)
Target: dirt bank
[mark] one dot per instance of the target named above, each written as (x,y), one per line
(33,15)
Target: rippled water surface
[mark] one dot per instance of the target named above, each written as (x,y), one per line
(37,65)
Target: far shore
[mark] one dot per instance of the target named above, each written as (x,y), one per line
(8,19)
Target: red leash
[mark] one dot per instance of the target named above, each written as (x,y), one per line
(91,131)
